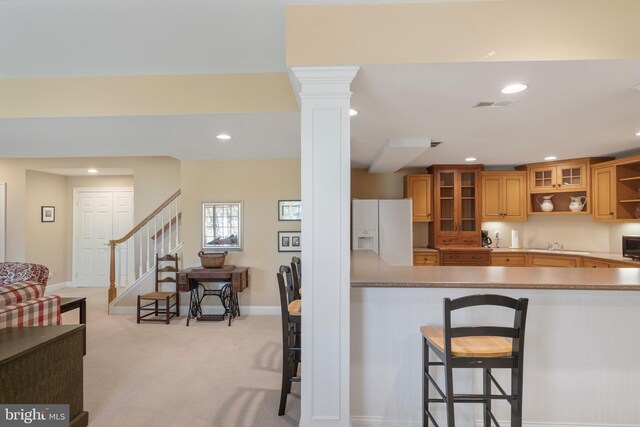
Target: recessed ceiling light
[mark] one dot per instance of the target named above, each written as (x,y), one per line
(551,158)
(514,88)
(638,133)
(92,170)
(353,112)
(223,137)
(470,159)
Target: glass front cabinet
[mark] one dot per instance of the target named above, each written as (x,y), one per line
(457,207)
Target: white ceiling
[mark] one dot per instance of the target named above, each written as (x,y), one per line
(571,109)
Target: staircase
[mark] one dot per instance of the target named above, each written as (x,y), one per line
(132,257)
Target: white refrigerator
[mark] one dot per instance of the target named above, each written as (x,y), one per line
(385,227)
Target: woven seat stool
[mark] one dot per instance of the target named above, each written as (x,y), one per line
(483,347)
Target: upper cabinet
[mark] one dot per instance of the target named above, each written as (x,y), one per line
(604,193)
(419,188)
(559,177)
(562,187)
(504,196)
(456,206)
(616,190)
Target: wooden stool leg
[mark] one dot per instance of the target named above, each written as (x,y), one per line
(425,383)
(516,406)
(285,377)
(486,388)
(451,419)
(168,310)
(138,311)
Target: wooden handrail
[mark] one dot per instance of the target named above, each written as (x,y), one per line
(147,219)
(134,230)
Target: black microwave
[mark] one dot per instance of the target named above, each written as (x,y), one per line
(631,247)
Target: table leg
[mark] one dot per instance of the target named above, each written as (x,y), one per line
(83,321)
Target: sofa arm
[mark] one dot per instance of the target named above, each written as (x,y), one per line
(37,312)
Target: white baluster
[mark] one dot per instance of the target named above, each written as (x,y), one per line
(155,242)
(170,233)
(149,239)
(177,222)
(162,230)
(140,250)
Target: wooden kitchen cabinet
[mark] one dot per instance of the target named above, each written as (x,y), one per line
(561,180)
(594,263)
(553,261)
(426,257)
(465,256)
(559,177)
(604,193)
(456,206)
(419,188)
(508,260)
(504,196)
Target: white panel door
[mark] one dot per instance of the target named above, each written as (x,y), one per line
(100,217)
(3,236)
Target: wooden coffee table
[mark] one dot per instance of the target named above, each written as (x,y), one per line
(71,303)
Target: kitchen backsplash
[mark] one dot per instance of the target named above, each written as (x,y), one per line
(574,232)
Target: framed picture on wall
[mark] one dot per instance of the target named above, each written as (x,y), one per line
(289,210)
(47,214)
(289,241)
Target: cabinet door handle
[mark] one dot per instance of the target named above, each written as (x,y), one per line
(508,260)
(611,213)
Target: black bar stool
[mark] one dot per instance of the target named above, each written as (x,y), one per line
(484,347)
(291,342)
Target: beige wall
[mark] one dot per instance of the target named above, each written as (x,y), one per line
(46,242)
(462,32)
(154,180)
(145,95)
(259,184)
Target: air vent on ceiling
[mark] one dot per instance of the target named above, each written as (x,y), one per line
(435,143)
(481,104)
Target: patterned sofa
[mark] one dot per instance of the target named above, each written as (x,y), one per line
(22,300)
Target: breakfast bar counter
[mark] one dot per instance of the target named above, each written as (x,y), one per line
(581,348)
(369,270)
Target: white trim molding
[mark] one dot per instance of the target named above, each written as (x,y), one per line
(362,421)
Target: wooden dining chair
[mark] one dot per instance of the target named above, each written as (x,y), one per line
(296,274)
(291,322)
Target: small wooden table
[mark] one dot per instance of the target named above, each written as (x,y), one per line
(71,303)
(190,279)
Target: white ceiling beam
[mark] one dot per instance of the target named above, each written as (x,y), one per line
(396,153)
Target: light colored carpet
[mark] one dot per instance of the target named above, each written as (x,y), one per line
(207,374)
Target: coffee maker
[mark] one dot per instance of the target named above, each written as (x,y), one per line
(486,240)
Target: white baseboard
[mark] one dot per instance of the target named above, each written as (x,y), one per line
(244,310)
(56,287)
(362,421)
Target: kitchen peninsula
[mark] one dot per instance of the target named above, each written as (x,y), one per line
(580,352)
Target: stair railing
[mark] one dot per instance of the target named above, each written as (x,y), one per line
(134,254)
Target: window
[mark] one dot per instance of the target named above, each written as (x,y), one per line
(222,226)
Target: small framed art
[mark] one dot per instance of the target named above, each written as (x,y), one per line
(289,210)
(47,214)
(289,241)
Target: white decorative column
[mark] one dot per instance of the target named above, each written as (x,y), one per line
(326,190)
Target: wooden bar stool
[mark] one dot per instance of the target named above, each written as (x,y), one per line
(485,347)
(291,321)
